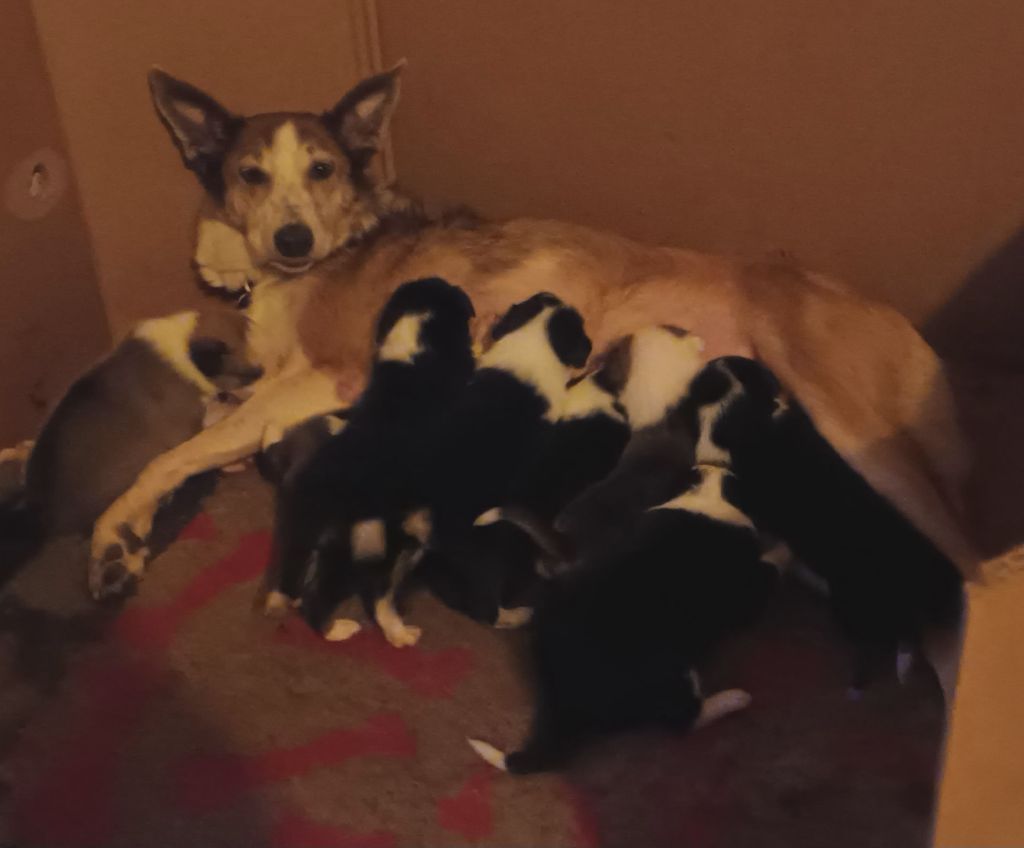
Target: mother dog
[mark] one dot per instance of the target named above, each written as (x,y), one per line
(294,213)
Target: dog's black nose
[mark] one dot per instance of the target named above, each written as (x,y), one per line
(294,240)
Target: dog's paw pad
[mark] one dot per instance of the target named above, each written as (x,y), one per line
(114,575)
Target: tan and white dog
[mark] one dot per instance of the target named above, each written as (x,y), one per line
(294,213)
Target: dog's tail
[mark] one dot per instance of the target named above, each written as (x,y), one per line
(22,533)
(552,543)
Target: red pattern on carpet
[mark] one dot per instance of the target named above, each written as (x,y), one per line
(432,674)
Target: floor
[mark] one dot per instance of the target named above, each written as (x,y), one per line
(188,719)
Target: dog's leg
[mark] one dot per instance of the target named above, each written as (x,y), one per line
(396,631)
(119,536)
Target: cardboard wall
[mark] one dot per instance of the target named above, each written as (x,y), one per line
(51,319)
(878,141)
(252,55)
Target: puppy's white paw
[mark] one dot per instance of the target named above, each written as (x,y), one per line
(278,604)
(342,629)
(509,619)
(403,635)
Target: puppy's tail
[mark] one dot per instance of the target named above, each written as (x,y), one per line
(537,755)
(550,541)
(22,533)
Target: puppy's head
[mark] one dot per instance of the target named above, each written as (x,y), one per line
(224,364)
(296,185)
(217,347)
(650,370)
(732,404)
(563,327)
(423,318)
(539,340)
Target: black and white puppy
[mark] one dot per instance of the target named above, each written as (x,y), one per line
(616,641)
(148,395)
(354,501)
(889,585)
(503,422)
(585,444)
(649,372)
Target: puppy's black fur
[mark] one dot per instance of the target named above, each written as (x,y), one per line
(503,422)
(616,640)
(584,446)
(888,583)
(379,466)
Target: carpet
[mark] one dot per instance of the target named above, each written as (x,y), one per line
(185,718)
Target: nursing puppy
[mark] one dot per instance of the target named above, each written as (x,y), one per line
(889,585)
(617,640)
(649,372)
(585,443)
(349,501)
(502,424)
(151,392)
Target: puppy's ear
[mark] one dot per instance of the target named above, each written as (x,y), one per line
(359,119)
(200,127)
(616,365)
(568,338)
(522,313)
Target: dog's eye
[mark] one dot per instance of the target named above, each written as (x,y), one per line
(320,170)
(252,175)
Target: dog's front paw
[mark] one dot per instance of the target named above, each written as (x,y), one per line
(119,557)
(231,280)
(116,571)
(222,257)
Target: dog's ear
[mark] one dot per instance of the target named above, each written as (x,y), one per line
(200,127)
(359,119)
(568,338)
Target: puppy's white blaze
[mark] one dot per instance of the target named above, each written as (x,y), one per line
(527,354)
(722,704)
(287,160)
(368,539)
(587,398)
(706,451)
(169,338)
(492,516)
(402,344)
(488,753)
(342,629)
(661,367)
(334,424)
(706,499)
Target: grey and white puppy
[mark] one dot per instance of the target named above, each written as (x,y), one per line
(147,396)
